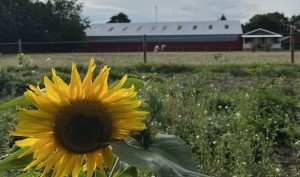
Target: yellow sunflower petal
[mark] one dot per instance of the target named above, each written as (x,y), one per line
(100,85)
(75,84)
(26,142)
(108,156)
(99,160)
(120,134)
(87,82)
(77,165)
(90,163)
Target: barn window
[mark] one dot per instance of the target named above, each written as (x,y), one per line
(210,27)
(194,27)
(226,26)
(179,27)
(139,28)
(125,28)
(153,28)
(164,28)
(110,29)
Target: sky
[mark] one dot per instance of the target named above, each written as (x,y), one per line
(100,11)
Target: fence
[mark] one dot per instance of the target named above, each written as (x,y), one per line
(136,44)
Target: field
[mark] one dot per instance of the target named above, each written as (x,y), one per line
(57,59)
(238,111)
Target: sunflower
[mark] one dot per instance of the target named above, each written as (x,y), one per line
(71,125)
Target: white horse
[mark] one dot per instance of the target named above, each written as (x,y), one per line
(156,48)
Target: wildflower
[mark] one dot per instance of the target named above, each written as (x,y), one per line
(71,125)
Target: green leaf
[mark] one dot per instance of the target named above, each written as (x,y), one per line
(116,174)
(99,173)
(129,172)
(13,161)
(169,156)
(145,107)
(138,84)
(19,101)
(30,174)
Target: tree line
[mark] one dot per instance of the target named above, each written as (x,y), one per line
(62,20)
(275,22)
(35,21)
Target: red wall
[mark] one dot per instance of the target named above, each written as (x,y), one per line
(171,46)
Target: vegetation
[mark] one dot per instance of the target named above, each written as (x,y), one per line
(121,59)
(223,17)
(254,44)
(268,44)
(276,22)
(119,18)
(238,120)
(51,20)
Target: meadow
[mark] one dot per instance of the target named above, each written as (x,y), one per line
(238,111)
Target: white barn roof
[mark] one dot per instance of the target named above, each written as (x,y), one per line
(166,28)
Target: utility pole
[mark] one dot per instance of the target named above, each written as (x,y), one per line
(155,14)
(292,43)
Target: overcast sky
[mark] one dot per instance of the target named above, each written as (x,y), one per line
(100,11)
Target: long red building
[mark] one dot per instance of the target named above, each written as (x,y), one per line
(169,36)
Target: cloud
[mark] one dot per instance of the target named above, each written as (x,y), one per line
(185,10)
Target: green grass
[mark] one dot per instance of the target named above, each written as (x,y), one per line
(238,119)
(120,59)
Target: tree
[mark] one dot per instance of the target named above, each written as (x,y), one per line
(64,21)
(54,20)
(223,18)
(119,18)
(295,21)
(276,22)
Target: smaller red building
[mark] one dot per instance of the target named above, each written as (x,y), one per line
(169,36)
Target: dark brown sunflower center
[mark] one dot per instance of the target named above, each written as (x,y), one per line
(82,127)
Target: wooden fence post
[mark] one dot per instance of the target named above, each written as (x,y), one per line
(292,40)
(19,46)
(145,49)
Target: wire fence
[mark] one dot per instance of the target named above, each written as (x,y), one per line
(136,44)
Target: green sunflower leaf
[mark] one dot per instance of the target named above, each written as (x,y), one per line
(138,84)
(30,174)
(116,174)
(129,172)
(13,161)
(19,101)
(169,156)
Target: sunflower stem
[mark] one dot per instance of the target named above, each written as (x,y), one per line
(114,167)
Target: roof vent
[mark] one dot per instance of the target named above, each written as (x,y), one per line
(226,26)
(210,27)
(125,28)
(179,27)
(110,29)
(194,27)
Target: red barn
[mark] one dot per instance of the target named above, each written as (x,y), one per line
(169,36)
